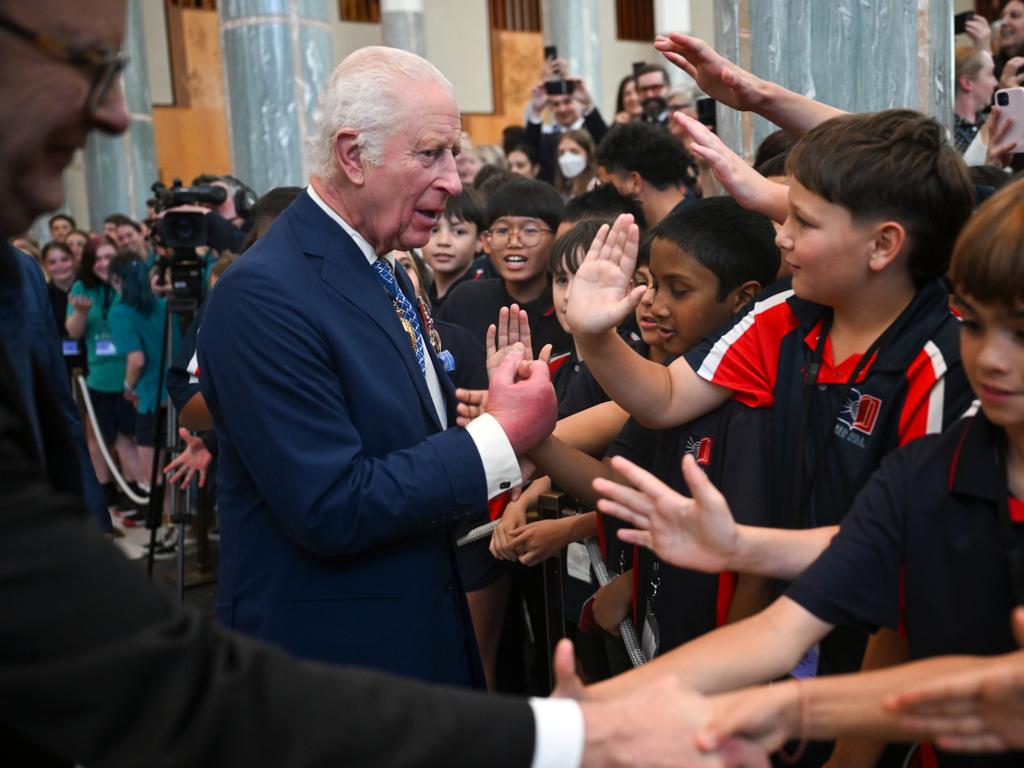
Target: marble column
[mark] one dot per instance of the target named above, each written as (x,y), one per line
(120,169)
(401,25)
(861,57)
(276,56)
(572,25)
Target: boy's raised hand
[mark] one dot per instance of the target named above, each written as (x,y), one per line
(751,190)
(601,295)
(718,77)
(697,533)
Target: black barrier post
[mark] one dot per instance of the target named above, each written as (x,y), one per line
(552,506)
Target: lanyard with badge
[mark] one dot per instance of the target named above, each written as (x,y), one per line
(104,342)
(807,667)
(1007,534)
(801,488)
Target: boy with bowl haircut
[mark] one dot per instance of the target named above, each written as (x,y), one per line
(857,355)
(523,217)
(454,243)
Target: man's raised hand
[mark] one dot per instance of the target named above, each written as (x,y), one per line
(697,533)
(602,295)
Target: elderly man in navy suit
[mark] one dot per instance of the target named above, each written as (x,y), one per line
(341,468)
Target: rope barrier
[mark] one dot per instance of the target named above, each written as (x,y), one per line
(626,628)
(480,532)
(118,478)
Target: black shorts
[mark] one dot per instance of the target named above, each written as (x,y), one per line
(478,566)
(144,423)
(114,414)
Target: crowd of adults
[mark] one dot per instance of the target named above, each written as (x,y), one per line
(783,396)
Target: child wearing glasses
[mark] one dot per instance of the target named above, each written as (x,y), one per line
(523,216)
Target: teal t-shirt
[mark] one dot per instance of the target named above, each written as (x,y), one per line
(106,361)
(135,332)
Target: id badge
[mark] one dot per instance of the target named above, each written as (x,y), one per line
(807,667)
(69,347)
(105,347)
(650,638)
(578,562)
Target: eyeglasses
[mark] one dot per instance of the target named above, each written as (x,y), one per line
(106,64)
(528,236)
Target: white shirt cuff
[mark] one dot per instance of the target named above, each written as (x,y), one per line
(559,741)
(501,468)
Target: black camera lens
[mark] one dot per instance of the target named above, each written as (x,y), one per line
(1002,99)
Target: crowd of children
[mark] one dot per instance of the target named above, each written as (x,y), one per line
(846,513)
(792,415)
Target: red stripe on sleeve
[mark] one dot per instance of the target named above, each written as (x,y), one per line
(726,590)
(746,358)
(922,411)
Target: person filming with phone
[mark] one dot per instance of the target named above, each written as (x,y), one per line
(571,108)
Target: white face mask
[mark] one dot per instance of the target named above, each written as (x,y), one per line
(571,164)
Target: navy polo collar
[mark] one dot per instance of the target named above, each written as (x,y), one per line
(972,470)
(926,312)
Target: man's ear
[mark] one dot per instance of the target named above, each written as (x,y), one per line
(742,295)
(965,83)
(349,154)
(636,183)
(890,239)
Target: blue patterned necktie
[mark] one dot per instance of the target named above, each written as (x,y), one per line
(405,310)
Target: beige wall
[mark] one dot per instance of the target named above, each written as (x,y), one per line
(617,57)
(158,62)
(458,38)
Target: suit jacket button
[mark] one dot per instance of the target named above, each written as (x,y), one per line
(448,586)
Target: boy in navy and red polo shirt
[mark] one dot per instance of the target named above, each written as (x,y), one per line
(856,354)
(706,262)
(934,542)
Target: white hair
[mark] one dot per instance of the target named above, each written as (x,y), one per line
(367,93)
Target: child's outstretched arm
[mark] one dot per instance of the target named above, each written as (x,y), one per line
(735,87)
(700,533)
(600,298)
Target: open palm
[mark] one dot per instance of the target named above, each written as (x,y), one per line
(602,294)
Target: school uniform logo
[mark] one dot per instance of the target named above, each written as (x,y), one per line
(700,447)
(860,412)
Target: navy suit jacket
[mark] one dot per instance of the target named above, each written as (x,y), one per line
(26,325)
(337,483)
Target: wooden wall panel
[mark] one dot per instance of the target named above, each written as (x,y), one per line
(517,59)
(193,138)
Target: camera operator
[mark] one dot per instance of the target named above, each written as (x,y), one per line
(571,106)
(236,206)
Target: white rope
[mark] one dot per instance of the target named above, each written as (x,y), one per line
(626,628)
(118,478)
(481,532)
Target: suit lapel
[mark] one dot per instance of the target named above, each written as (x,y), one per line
(346,271)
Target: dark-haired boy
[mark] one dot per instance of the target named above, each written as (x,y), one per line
(646,163)
(708,260)
(523,216)
(603,202)
(454,243)
(859,356)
